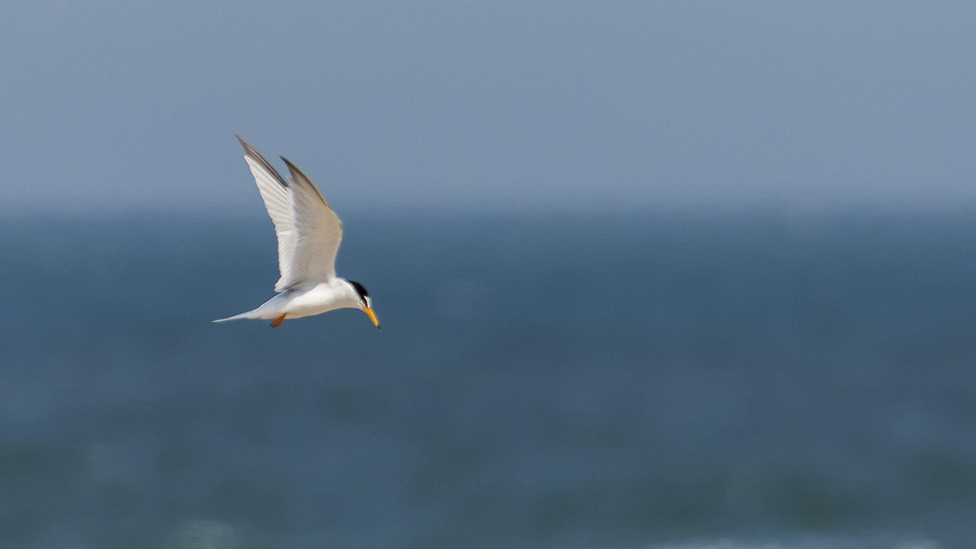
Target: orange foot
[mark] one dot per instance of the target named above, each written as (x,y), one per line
(277,322)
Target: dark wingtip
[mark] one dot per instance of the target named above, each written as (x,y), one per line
(293,168)
(299,176)
(250,152)
(245,144)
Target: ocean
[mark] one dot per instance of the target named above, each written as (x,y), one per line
(668,380)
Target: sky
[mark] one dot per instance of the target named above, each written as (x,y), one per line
(497,105)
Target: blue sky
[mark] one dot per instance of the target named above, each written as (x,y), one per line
(493,105)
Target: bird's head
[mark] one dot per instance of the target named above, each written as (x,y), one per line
(365,303)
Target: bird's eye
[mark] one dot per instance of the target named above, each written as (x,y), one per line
(360,289)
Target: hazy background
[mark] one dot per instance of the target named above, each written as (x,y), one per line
(490,105)
(651,275)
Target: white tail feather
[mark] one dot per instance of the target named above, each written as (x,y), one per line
(236,317)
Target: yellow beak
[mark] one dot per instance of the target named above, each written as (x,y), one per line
(372,316)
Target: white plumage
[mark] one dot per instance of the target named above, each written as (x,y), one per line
(309,234)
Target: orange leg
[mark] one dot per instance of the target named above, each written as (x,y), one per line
(277,322)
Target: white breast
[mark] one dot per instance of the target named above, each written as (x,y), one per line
(321,298)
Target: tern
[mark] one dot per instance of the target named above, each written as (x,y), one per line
(309,233)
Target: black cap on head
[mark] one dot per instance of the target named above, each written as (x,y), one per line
(361,290)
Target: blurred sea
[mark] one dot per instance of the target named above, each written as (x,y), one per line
(666,381)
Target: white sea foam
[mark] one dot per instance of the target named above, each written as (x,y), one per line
(207,534)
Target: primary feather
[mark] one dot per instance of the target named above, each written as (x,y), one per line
(309,232)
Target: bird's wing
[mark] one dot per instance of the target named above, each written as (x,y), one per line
(309,232)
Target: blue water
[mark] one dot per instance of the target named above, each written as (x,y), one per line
(665,381)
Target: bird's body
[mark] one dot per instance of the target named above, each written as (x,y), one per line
(298,303)
(309,234)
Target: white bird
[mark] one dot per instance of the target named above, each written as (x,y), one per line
(309,233)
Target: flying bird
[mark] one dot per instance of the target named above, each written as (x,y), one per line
(309,233)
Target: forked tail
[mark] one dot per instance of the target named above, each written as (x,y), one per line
(236,317)
(269,309)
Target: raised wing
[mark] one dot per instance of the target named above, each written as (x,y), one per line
(309,232)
